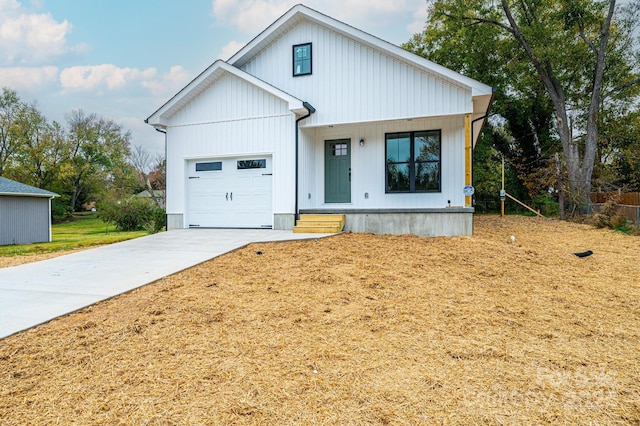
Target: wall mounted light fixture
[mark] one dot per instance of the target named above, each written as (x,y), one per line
(361,141)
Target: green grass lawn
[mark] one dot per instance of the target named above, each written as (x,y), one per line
(83,230)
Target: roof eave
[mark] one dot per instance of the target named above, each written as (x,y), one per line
(249,50)
(27,194)
(160,117)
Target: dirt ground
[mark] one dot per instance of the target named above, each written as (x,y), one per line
(355,329)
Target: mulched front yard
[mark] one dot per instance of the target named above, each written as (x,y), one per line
(354,329)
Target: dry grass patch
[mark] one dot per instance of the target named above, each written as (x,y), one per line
(7,261)
(354,329)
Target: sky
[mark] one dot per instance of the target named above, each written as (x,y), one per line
(123,59)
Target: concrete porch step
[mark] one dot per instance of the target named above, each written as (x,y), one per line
(320,223)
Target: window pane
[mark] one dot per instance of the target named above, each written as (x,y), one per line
(427,146)
(338,149)
(303,67)
(302,59)
(252,164)
(427,176)
(398,177)
(303,52)
(398,147)
(209,166)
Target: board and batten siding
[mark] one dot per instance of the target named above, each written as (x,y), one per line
(368,165)
(24,220)
(232,118)
(352,82)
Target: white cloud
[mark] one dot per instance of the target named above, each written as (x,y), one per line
(251,15)
(96,77)
(31,38)
(169,83)
(27,78)
(419,18)
(230,49)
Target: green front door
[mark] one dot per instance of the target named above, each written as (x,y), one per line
(337,171)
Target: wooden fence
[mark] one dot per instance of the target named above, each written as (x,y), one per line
(628,204)
(627,199)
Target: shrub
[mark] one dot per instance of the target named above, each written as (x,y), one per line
(60,208)
(133,214)
(603,219)
(618,222)
(546,204)
(600,220)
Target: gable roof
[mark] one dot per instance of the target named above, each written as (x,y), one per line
(17,189)
(205,79)
(300,12)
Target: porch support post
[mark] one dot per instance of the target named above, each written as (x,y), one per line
(468,152)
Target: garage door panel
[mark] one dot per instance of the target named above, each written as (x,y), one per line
(231,193)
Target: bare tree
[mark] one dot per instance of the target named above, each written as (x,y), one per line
(149,170)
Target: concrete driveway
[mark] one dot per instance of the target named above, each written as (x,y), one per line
(35,293)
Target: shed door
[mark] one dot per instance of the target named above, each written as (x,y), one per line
(230,193)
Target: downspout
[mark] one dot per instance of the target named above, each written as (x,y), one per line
(310,111)
(166,220)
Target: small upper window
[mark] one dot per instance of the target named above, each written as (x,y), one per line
(209,166)
(302,59)
(251,164)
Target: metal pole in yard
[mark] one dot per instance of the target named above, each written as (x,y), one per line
(502,191)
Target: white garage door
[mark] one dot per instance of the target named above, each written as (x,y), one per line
(230,193)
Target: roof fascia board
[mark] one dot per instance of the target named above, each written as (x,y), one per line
(295,104)
(219,66)
(28,194)
(244,54)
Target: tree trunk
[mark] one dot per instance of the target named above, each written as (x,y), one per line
(579,171)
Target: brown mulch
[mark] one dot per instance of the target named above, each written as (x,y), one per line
(354,329)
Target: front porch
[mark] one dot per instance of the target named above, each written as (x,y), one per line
(429,222)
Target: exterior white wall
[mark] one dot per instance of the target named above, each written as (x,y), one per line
(368,165)
(353,83)
(230,119)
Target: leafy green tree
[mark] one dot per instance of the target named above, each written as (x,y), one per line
(98,152)
(619,150)
(10,109)
(42,152)
(577,56)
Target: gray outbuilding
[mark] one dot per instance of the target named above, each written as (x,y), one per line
(25,213)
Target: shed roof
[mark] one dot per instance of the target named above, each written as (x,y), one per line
(17,189)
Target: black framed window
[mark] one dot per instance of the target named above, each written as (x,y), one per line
(413,161)
(209,166)
(301,59)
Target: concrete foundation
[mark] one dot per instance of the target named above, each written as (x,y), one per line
(284,221)
(447,222)
(175,221)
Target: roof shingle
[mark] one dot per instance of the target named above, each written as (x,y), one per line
(11,187)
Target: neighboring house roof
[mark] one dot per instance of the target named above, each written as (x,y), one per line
(146,193)
(17,189)
(206,78)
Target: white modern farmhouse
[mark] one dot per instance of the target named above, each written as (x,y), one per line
(314,116)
